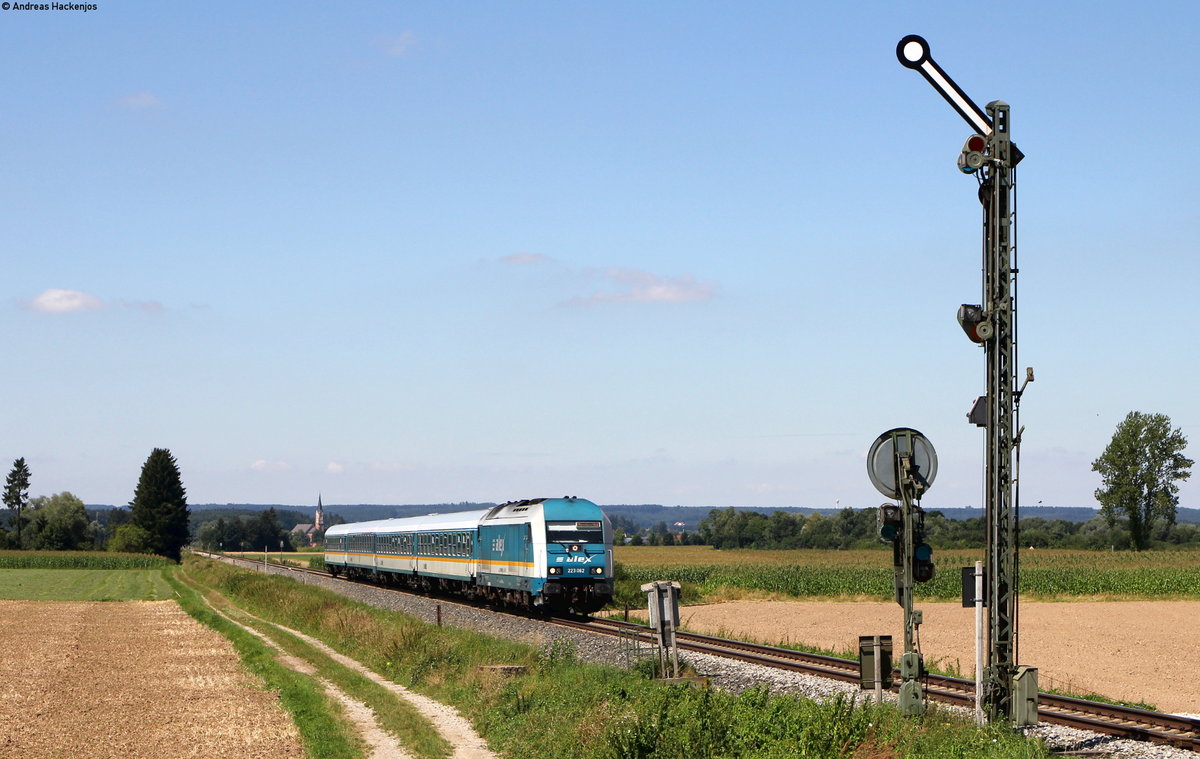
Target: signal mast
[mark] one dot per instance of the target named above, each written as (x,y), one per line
(1009,691)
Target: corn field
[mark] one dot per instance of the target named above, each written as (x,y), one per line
(80,560)
(804,573)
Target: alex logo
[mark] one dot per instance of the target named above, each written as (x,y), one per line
(577,559)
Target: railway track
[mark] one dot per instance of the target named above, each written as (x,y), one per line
(1108,719)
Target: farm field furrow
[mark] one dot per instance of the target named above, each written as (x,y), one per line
(130,680)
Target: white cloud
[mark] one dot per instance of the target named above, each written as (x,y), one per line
(262,465)
(56,301)
(400,45)
(525,258)
(334,467)
(140,101)
(636,286)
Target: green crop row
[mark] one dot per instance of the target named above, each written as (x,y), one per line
(80,560)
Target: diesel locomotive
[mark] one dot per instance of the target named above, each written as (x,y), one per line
(552,554)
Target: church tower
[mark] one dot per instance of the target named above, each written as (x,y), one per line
(319,517)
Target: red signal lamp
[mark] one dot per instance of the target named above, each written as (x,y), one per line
(972,159)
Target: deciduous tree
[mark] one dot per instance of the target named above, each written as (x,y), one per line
(1140,469)
(159,505)
(61,523)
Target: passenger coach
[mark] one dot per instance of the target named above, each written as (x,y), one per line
(552,553)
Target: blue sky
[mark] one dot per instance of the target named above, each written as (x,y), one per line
(681,253)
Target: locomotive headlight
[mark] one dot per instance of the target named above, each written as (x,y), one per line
(597,570)
(555,570)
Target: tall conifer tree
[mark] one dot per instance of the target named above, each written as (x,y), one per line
(16,492)
(159,504)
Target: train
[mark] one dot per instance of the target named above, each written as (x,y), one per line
(541,554)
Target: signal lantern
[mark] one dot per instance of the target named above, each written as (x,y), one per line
(972,158)
(923,569)
(975,323)
(891,523)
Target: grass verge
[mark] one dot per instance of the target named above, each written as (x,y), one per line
(562,707)
(324,734)
(394,715)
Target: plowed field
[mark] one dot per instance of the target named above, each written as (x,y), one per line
(133,679)
(1132,650)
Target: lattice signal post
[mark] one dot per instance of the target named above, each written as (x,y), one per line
(991,156)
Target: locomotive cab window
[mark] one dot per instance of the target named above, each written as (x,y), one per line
(575,532)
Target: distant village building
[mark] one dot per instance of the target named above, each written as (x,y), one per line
(307,534)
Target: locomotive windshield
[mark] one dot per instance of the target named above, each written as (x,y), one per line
(574,532)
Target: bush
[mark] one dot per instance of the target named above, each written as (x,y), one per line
(129,538)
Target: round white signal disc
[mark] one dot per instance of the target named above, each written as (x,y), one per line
(881,460)
(914,51)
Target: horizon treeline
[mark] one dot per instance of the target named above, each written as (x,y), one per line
(857,528)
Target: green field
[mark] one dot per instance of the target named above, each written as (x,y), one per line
(84,585)
(867,574)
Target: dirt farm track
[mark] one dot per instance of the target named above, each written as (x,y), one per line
(130,679)
(1134,650)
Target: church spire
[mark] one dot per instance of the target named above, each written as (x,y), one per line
(319,517)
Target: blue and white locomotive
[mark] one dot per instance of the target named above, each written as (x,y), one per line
(549,553)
